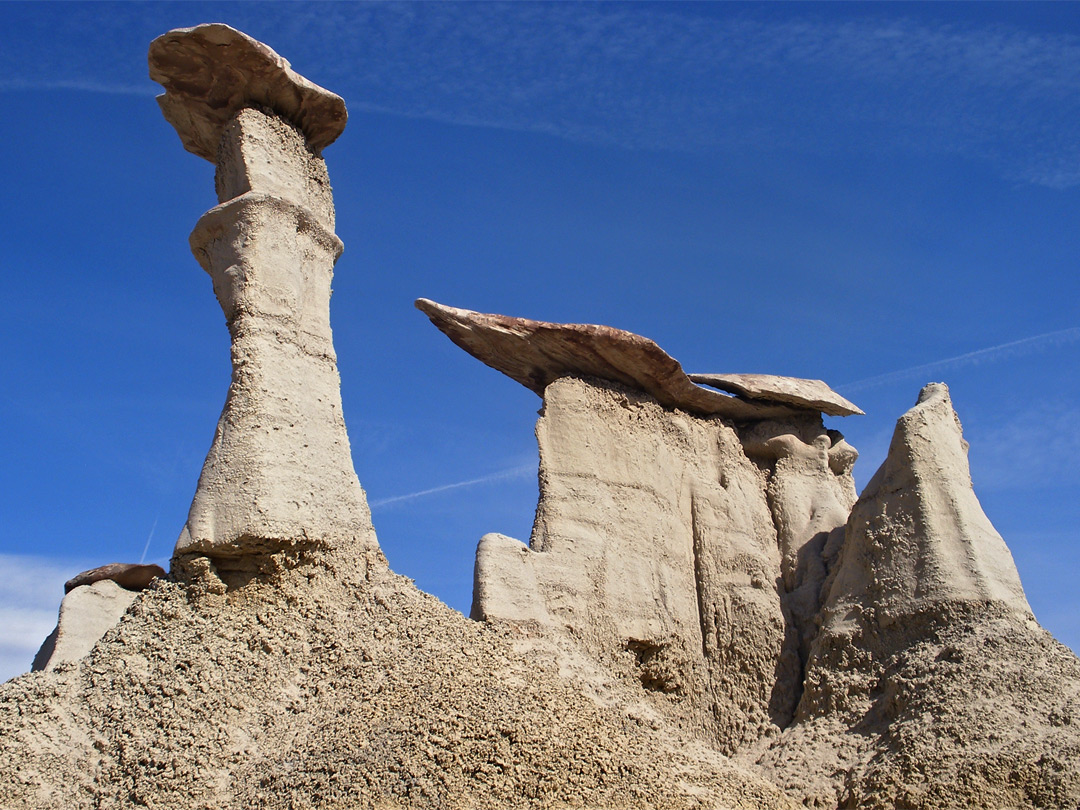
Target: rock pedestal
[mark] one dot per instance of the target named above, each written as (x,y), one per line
(279,474)
(681,532)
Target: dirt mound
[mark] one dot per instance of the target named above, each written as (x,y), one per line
(315,685)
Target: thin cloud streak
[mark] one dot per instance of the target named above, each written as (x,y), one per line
(9,85)
(987,355)
(638,77)
(502,475)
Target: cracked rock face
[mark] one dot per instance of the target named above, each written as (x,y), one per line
(653,546)
(688,551)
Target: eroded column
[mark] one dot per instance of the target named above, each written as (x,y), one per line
(279,474)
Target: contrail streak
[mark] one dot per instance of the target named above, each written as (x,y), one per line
(989,354)
(513,472)
(149,537)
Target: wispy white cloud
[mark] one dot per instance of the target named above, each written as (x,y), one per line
(502,475)
(991,354)
(1036,447)
(637,76)
(641,77)
(86,86)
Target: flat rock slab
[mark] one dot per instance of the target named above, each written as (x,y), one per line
(211,72)
(813,395)
(130,576)
(536,353)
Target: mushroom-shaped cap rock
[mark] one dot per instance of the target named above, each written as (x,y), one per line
(536,353)
(211,71)
(812,395)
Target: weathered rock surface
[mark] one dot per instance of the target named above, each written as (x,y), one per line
(279,473)
(690,586)
(211,72)
(86,614)
(810,492)
(133,576)
(810,394)
(654,547)
(918,537)
(320,686)
(930,684)
(536,353)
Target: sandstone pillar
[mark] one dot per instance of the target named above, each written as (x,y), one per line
(279,474)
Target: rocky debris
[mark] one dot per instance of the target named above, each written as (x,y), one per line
(132,576)
(87,613)
(813,395)
(930,684)
(211,72)
(654,548)
(319,686)
(536,353)
(279,473)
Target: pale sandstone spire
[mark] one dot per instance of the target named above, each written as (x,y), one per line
(279,475)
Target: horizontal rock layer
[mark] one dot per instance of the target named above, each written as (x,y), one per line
(810,394)
(536,353)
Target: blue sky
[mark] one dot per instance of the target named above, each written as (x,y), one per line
(876,195)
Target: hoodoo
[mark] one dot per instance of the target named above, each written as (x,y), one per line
(279,474)
(680,533)
(930,684)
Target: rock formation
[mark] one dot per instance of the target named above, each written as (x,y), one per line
(86,614)
(930,684)
(536,353)
(279,475)
(133,576)
(282,664)
(812,394)
(686,550)
(876,656)
(700,581)
(93,603)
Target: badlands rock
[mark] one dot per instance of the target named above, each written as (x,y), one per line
(279,473)
(313,686)
(133,576)
(930,684)
(810,492)
(660,530)
(810,394)
(211,72)
(536,353)
(918,537)
(287,667)
(86,614)
(687,581)
(654,547)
